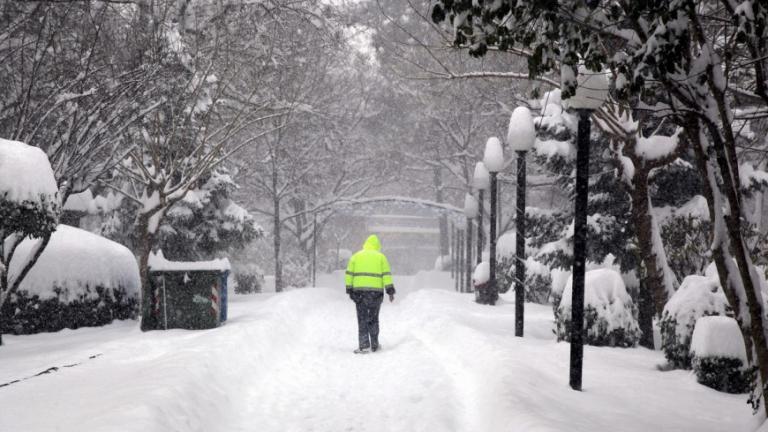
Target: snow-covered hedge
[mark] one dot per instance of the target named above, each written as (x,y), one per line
(697,296)
(28,192)
(719,356)
(81,279)
(609,313)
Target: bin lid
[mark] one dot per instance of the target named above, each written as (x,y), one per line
(157,262)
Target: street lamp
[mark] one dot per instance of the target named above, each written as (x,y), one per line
(470,211)
(521,136)
(481,181)
(493,159)
(591,93)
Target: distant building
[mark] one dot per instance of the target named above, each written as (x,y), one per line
(410,237)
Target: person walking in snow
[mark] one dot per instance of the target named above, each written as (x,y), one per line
(368,276)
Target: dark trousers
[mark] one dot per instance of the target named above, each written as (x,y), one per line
(368,304)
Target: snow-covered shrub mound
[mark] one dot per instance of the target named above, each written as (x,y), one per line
(697,296)
(28,192)
(719,356)
(609,313)
(249,279)
(81,279)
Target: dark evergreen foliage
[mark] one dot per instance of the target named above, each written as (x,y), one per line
(722,374)
(596,330)
(25,314)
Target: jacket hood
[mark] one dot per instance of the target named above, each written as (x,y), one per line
(372,243)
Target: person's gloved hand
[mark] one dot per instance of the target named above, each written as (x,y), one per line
(349,293)
(391,298)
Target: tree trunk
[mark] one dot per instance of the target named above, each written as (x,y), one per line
(652,291)
(144,240)
(277,244)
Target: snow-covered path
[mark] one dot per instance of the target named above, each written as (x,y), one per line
(284,363)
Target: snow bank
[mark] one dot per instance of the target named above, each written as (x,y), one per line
(718,336)
(157,262)
(609,312)
(25,173)
(75,262)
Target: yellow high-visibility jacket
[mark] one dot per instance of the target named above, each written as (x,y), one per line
(368,269)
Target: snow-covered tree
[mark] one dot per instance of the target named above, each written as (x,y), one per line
(29,207)
(700,56)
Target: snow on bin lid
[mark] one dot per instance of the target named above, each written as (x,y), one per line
(718,336)
(157,262)
(25,173)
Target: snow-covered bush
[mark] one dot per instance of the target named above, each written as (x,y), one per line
(537,284)
(609,313)
(81,279)
(719,356)
(686,240)
(28,191)
(207,221)
(296,271)
(537,279)
(249,279)
(697,296)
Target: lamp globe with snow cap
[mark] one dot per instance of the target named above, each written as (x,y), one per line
(481,179)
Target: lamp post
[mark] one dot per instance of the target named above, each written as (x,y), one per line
(493,159)
(481,181)
(314,250)
(521,135)
(591,93)
(470,211)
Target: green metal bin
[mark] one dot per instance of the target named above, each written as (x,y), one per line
(183,295)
